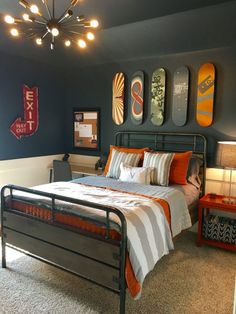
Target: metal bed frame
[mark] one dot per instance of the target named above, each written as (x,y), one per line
(98,259)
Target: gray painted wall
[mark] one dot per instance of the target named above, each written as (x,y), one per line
(190,38)
(50,136)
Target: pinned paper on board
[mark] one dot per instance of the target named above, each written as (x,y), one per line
(86,132)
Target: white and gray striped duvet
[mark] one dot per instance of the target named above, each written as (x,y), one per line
(148,232)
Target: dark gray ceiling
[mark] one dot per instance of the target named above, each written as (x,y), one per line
(118,12)
(119,19)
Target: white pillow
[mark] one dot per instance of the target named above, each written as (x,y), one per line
(117,158)
(135,174)
(161,164)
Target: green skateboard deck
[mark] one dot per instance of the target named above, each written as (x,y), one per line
(137,91)
(180,96)
(118,88)
(158,96)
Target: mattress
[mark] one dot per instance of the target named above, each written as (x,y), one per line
(147,211)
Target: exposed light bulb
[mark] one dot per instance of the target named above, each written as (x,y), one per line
(34,9)
(14,32)
(67,43)
(90,36)
(26,17)
(69,13)
(94,23)
(82,43)
(9,19)
(39,41)
(55,31)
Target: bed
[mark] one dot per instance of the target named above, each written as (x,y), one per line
(88,226)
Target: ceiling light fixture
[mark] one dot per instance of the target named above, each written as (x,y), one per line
(34,24)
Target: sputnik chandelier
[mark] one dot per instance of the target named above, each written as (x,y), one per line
(70,28)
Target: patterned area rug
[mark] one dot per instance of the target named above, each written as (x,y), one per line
(189,280)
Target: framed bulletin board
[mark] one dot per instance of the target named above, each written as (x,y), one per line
(86,128)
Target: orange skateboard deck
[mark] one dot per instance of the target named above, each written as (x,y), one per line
(118,95)
(205,94)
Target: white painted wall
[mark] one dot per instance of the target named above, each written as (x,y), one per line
(26,171)
(217,181)
(35,170)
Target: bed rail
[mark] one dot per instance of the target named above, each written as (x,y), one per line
(96,258)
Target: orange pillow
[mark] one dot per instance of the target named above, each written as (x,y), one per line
(179,168)
(124,150)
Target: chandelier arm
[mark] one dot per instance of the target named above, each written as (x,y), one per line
(34,28)
(64,13)
(47,8)
(76,33)
(53,8)
(45,35)
(72,25)
(52,43)
(69,36)
(74,3)
(30,35)
(39,22)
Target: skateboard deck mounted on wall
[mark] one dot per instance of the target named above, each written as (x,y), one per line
(205,94)
(137,93)
(158,96)
(118,95)
(180,96)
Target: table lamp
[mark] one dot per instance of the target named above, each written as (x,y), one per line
(226,158)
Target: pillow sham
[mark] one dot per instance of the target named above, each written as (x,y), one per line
(161,164)
(135,174)
(179,168)
(193,171)
(124,150)
(116,160)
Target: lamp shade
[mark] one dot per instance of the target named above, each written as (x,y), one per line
(226,154)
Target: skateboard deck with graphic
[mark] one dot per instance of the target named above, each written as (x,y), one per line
(180,96)
(137,93)
(158,96)
(205,94)
(118,95)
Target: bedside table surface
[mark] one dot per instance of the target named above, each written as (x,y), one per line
(216,201)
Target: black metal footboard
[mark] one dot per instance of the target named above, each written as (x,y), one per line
(89,255)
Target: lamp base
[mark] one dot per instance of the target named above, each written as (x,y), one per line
(229,200)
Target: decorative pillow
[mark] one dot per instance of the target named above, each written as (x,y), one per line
(193,171)
(135,174)
(124,150)
(179,168)
(116,160)
(161,164)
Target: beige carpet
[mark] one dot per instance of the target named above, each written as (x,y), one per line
(190,280)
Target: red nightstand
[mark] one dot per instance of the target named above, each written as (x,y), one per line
(213,202)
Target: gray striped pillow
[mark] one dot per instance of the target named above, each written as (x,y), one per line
(161,164)
(119,157)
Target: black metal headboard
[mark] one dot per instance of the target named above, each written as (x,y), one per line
(175,142)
